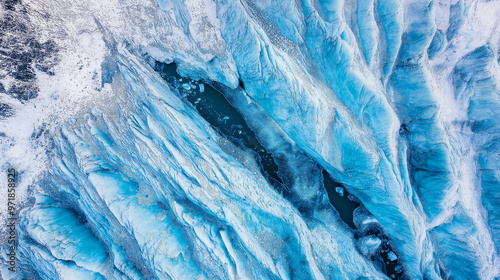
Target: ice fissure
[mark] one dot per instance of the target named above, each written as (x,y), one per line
(223,139)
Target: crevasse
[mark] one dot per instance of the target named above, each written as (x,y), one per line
(395,102)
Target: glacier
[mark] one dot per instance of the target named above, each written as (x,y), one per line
(270,139)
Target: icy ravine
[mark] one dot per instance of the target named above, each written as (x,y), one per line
(397,100)
(193,211)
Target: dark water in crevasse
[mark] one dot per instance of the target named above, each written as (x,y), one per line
(346,207)
(342,203)
(214,108)
(217,111)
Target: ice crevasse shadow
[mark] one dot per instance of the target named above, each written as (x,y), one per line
(217,110)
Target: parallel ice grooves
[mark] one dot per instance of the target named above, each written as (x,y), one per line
(272,93)
(396,100)
(475,79)
(390,15)
(188,209)
(67,240)
(367,29)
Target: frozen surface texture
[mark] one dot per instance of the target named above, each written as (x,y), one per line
(390,105)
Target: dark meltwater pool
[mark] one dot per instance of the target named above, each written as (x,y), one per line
(338,197)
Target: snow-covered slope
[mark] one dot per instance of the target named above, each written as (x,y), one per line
(120,176)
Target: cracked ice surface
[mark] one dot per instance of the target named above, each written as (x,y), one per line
(121,178)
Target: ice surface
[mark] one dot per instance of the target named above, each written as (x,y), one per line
(392,256)
(340,191)
(121,177)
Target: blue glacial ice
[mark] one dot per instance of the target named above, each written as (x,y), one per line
(270,139)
